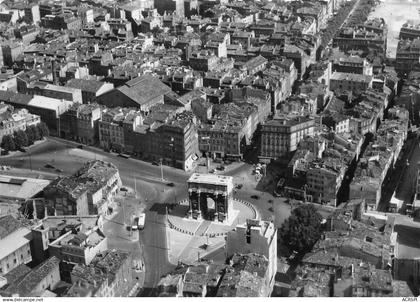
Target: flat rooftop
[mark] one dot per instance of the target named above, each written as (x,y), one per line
(20,187)
(14,241)
(213,179)
(47,103)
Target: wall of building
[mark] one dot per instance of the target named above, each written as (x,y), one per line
(236,242)
(22,255)
(49,282)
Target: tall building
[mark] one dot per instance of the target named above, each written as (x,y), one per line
(281,136)
(255,236)
(89,191)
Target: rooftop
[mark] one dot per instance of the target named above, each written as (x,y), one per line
(26,285)
(144,88)
(344,76)
(210,179)
(86,85)
(8,225)
(14,241)
(20,188)
(47,103)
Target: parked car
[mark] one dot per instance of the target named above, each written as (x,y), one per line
(155,163)
(171,184)
(80,146)
(49,166)
(255,197)
(58,170)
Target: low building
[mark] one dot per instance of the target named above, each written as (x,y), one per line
(108,275)
(371,282)
(48,109)
(71,94)
(15,240)
(78,248)
(52,228)
(142,92)
(19,189)
(91,89)
(246,275)
(255,65)
(35,283)
(12,120)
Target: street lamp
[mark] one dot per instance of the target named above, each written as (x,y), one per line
(172,145)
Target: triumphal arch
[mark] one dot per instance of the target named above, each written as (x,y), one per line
(210,197)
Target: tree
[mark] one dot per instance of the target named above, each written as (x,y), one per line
(37,134)
(8,144)
(21,140)
(30,134)
(302,229)
(43,130)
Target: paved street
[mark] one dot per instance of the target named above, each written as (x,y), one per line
(406,186)
(151,192)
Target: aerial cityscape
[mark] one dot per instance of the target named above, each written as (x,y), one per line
(210,148)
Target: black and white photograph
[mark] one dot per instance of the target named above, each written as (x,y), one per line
(209,148)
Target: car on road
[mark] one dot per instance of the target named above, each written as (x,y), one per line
(171,184)
(80,146)
(212,171)
(49,166)
(221,168)
(155,163)
(58,170)
(124,189)
(239,186)
(255,197)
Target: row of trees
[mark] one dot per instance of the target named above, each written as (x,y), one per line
(21,138)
